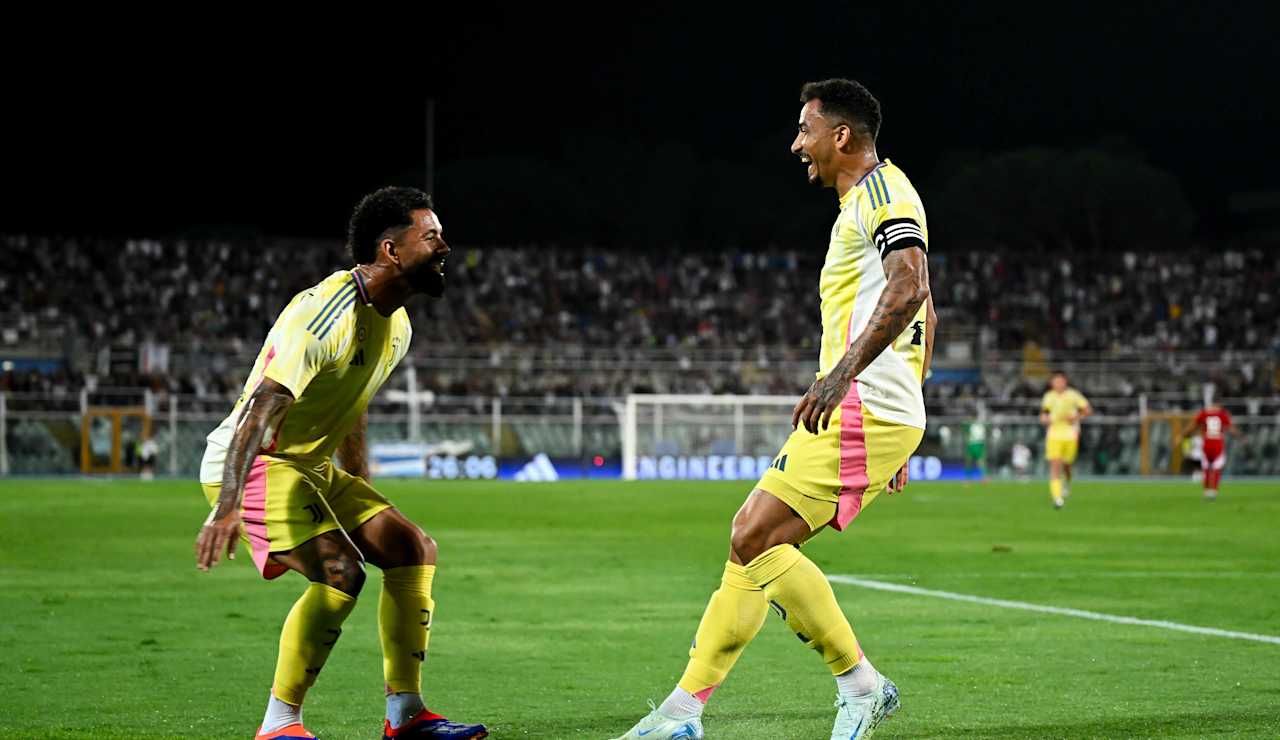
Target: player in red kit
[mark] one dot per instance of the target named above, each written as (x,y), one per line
(1213,424)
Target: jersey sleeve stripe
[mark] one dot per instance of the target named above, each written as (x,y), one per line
(329,308)
(871,194)
(873,188)
(884,187)
(333,319)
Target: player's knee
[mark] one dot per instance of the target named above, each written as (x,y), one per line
(420,548)
(343,571)
(405,545)
(340,564)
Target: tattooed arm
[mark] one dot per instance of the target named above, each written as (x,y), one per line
(261,412)
(907,287)
(353,453)
(930,326)
(899,481)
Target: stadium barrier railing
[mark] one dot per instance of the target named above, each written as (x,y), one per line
(45,433)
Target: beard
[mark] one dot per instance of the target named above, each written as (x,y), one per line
(816,179)
(425,279)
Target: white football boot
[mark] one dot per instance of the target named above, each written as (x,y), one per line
(856,717)
(658,726)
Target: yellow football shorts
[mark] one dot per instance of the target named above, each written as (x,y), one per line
(1063,449)
(829,477)
(287,503)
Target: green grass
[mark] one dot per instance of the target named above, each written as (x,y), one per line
(563,607)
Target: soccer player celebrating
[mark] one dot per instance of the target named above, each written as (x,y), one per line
(854,429)
(1213,424)
(268,476)
(1060,412)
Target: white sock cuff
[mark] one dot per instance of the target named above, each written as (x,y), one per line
(682,705)
(280,714)
(860,680)
(403,707)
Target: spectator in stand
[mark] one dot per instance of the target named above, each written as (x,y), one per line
(517,301)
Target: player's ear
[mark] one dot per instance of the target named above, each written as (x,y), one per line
(843,136)
(388,247)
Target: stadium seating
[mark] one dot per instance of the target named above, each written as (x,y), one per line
(183,319)
(184,316)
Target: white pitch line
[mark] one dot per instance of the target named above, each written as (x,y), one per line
(1092,575)
(1026,606)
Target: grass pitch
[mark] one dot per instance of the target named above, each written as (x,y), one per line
(563,607)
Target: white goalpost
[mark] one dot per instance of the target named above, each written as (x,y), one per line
(702,437)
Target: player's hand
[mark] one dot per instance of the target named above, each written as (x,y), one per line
(822,399)
(899,481)
(217,536)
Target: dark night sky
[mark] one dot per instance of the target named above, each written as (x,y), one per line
(658,128)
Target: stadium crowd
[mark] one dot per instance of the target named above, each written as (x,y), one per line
(531,307)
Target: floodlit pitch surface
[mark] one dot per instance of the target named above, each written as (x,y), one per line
(563,607)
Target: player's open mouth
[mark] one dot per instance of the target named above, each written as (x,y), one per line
(812,168)
(438,265)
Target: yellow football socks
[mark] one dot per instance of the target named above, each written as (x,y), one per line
(796,588)
(404,624)
(312,627)
(733,617)
(1055,488)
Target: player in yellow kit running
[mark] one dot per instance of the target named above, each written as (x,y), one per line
(268,476)
(1060,412)
(853,431)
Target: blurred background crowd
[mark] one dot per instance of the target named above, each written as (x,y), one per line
(187,316)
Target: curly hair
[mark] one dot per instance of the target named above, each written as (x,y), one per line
(377,213)
(848,101)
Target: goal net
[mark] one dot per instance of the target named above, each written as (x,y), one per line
(702,437)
